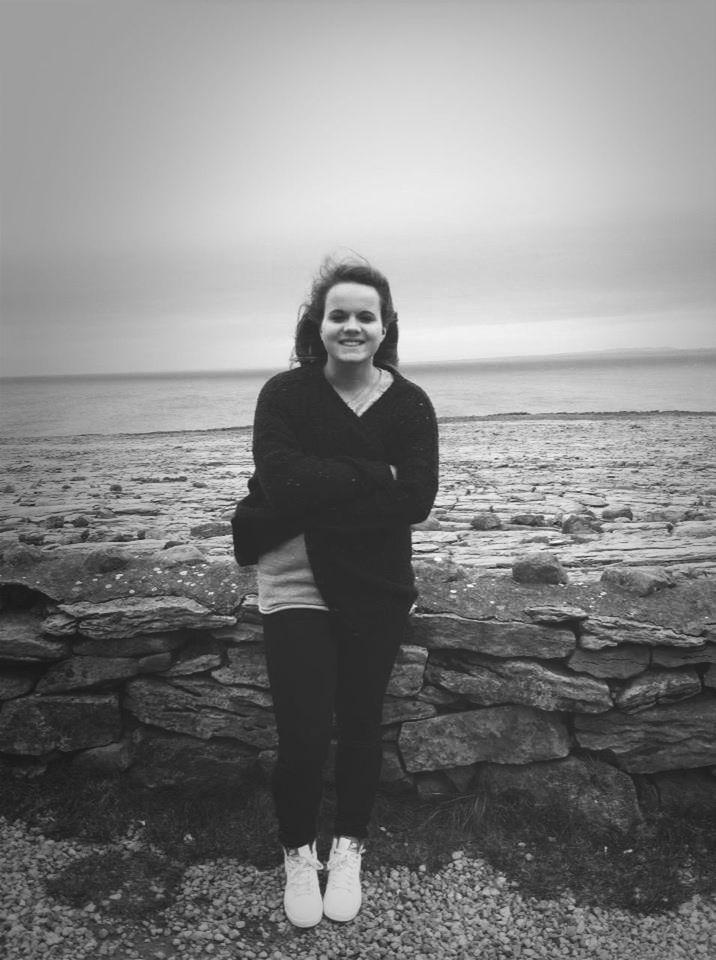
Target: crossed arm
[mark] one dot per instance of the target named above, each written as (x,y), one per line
(343,489)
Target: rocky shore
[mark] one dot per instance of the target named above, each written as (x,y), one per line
(567,607)
(639,489)
(566,580)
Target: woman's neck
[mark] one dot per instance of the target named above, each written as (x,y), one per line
(348,377)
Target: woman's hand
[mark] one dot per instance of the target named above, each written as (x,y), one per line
(411,494)
(296,483)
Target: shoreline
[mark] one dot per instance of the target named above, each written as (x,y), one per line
(507,417)
(532,472)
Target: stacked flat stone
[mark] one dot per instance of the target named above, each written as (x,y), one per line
(129,639)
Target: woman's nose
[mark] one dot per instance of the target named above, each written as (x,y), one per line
(351,322)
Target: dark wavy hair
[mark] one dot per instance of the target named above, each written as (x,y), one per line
(308,347)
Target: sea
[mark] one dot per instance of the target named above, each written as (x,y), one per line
(147,403)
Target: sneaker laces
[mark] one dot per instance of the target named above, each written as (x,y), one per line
(301,867)
(344,867)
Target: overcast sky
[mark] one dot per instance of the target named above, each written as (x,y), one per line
(533,177)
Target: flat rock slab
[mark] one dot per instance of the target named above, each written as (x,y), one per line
(620,663)
(246,665)
(407,676)
(167,760)
(600,632)
(83,673)
(498,638)
(77,575)
(197,714)
(498,734)
(21,639)
(674,737)
(37,725)
(657,688)
(688,608)
(16,682)
(684,658)
(243,700)
(115,619)
(141,645)
(602,796)
(488,682)
(400,709)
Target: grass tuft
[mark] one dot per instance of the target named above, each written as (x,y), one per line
(131,884)
(546,852)
(549,853)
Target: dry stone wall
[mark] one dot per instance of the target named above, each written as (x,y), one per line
(129,640)
(152,664)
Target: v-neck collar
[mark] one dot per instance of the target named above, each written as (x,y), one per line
(345,406)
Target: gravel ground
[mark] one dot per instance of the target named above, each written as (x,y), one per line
(225,909)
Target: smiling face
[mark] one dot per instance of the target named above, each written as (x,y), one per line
(352,326)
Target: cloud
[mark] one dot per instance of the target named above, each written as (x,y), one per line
(175,173)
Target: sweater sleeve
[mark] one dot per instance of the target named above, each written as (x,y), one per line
(409,498)
(297,484)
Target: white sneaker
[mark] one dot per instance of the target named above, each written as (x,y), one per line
(302,896)
(342,898)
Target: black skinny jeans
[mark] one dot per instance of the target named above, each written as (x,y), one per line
(316,666)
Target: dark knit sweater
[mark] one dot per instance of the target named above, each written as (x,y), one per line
(325,472)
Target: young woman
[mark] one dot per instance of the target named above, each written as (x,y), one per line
(346,457)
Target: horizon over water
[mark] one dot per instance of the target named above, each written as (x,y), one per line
(604,382)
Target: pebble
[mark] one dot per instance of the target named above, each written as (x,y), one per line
(465,910)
